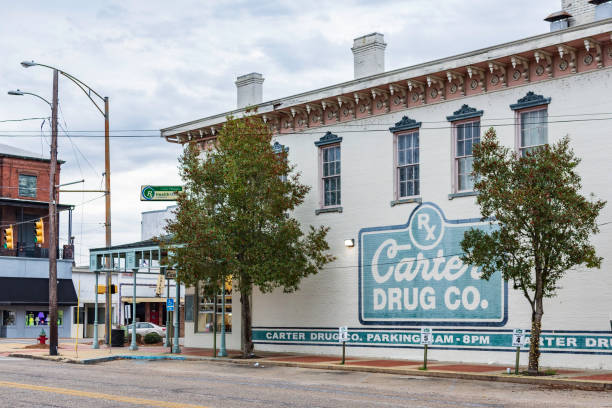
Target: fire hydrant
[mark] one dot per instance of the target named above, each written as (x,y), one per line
(42,337)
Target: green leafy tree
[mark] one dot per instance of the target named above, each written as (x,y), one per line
(544,223)
(234,218)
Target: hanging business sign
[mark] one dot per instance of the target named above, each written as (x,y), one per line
(412,274)
(159,193)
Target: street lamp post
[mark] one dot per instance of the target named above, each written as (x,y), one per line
(134,345)
(52,320)
(222,351)
(52,225)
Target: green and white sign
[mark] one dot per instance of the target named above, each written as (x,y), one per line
(412,274)
(559,341)
(159,193)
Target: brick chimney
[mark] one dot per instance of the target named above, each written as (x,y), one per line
(369,55)
(249,89)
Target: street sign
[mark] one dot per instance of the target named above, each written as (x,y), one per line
(170,304)
(518,338)
(170,273)
(159,193)
(426,336)
(343,334)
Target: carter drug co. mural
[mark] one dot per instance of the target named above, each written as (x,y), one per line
(412,274)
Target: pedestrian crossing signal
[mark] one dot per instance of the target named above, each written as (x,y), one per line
(8,238)
(39,238)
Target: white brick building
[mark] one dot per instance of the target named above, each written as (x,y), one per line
(405,137)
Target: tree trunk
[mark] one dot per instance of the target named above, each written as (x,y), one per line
(534,345)
(246,328)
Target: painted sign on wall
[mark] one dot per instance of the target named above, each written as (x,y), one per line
(551,341)
(412,274)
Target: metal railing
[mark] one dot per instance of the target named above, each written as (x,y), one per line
(67,252)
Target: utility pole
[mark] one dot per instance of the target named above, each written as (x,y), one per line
(52,321)
(107,223)
(90,93)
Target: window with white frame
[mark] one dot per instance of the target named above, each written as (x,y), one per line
(331,176)
(407,146)
(533,130)
(531,112)
(467,135)
(330,173)
(408,177)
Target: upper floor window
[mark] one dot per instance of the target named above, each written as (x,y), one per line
(532,122)
(465,135)
(408,164)
(279,149)
(331,176)
(533,126)
(27,186)
(407,147)
(329,159)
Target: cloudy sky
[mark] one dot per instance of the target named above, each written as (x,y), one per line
(163,63)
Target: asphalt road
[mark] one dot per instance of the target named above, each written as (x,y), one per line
(29,383)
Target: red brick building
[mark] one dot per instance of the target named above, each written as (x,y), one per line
(24,198)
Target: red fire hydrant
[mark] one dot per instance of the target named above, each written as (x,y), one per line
(42,337)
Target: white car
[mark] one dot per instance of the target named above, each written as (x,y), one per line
(144,328)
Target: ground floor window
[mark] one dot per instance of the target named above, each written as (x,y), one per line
(91,315)
(81,315)
(210,309)
(41,318)
(8,318)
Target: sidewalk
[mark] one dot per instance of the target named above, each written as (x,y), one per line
(565,378)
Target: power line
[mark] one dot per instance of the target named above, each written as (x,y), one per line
(21,120)
(342,123)
(47,216)
(339,124)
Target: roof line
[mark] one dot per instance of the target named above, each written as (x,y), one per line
(393,72)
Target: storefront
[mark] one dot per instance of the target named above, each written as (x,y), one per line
(24,303)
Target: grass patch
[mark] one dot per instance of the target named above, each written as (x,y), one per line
(542,373)
(422,368)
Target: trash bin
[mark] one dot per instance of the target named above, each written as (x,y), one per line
(117,337)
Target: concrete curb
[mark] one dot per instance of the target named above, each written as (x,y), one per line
(95,360)
(589,385)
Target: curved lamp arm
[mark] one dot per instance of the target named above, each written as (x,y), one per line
(84,87)
(20,93)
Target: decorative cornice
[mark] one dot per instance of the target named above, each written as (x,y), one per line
(534,55)
(405,124)
(327,139)
(529,100)
(465,112)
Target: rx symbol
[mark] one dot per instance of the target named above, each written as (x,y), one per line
(423,222)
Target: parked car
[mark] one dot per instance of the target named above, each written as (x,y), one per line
(144,328)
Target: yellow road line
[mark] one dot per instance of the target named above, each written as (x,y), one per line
(98,395)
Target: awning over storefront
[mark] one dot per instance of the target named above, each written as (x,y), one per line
(35,291)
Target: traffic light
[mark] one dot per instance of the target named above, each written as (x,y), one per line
(39,238)
(8,237)
(102,289)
